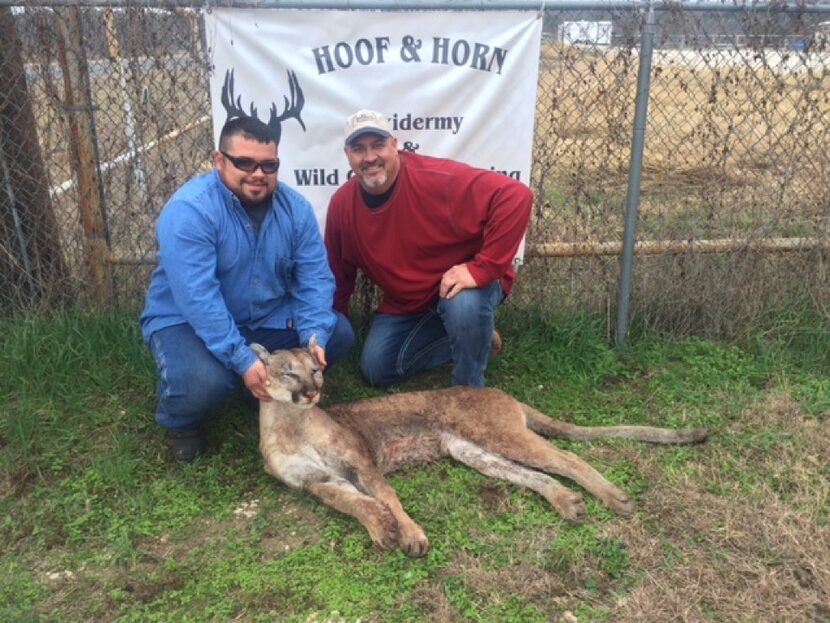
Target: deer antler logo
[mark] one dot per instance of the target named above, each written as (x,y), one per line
(293,107)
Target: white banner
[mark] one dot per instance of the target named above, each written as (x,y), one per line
(458,85)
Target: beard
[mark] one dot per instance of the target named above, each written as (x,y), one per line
(377,180)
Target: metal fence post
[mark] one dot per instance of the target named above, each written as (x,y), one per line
(634,175)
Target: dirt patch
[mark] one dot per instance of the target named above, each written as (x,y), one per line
(522,577)
(294,527)
(704,555)
(760,554)
(290,526)
(14,483)
(494,497)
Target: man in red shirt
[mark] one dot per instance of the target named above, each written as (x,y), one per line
(438,237)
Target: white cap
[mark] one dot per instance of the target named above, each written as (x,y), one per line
(366,122)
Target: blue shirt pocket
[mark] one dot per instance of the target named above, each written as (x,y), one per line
(285,273)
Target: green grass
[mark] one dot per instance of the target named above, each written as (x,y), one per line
(98,524)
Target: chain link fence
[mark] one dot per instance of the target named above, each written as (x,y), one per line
(735,196)
(104,112)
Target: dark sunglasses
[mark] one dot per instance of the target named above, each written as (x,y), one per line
(249,165)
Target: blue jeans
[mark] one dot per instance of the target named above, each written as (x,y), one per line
(457,330)
(193,383)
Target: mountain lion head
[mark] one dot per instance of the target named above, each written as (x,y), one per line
(294,375)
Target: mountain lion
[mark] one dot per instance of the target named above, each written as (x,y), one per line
(341,455)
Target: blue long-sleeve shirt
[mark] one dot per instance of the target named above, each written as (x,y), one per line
(216,274)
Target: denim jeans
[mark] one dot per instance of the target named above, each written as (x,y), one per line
(457,330)
(193,383)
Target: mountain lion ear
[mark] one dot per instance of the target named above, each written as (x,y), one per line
(259,349)
(312,343)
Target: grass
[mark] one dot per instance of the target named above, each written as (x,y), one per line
(98,524)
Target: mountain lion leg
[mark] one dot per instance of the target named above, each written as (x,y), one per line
(411,537)
(545,425)
(527,448)
(374,515)
(568,503)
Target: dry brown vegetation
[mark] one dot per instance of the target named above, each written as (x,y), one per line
(735,141)
(736,148)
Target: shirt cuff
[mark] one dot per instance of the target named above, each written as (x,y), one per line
(243,360)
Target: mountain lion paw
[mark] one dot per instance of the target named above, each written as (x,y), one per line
(570,505)
(383,528)
(414,542)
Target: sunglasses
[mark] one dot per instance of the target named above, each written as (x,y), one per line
(249,165)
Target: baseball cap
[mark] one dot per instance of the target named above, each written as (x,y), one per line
(366,122)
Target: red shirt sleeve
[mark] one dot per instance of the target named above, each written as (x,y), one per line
(503,213)
(345,273)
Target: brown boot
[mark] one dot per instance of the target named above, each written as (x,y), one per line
(495,343)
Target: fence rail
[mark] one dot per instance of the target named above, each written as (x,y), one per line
(735,6)
(104,112)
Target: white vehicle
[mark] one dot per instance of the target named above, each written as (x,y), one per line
(585,32)
(822,34)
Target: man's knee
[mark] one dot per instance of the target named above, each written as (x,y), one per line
(466,310)
(376,370)
(188,390)
(192,382)
(341,340)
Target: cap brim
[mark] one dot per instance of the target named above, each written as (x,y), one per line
(358,133)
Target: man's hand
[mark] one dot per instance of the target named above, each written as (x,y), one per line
(454,280)
(256,380)
(320,355)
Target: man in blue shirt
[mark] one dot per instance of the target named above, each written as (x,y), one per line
(240,260)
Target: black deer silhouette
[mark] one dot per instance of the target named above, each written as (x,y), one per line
(293,107)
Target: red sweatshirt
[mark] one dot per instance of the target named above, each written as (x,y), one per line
(441,213)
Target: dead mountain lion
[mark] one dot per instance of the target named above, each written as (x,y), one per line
(341,455)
